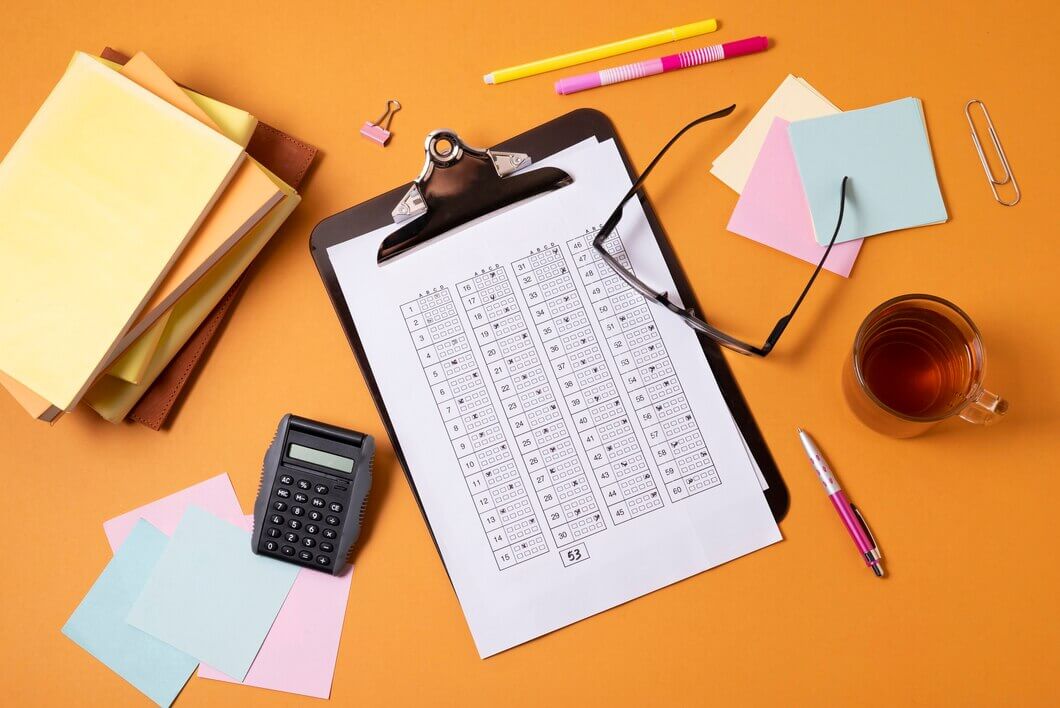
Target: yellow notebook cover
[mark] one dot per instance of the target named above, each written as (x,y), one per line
(98,196)
(245,201)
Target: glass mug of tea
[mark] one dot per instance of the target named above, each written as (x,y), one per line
(918,360)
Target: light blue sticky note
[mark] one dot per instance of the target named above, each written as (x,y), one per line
(885,152)
(98,624)
(211,596)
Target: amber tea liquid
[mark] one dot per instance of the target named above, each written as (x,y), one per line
(917,359)
(917,362)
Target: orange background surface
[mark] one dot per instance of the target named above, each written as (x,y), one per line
(965,516)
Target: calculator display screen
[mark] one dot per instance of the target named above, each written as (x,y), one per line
(319,457)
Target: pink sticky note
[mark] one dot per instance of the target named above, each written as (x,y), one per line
(773,210)
(215,495)
(299,653)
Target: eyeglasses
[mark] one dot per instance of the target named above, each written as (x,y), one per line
(662,298)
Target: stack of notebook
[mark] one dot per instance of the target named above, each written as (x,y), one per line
(790,160)
(132,208)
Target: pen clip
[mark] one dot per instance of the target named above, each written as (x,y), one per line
(867,530)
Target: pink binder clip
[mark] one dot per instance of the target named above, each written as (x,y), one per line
(375,130)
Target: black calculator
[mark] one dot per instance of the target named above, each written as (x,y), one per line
(314,487)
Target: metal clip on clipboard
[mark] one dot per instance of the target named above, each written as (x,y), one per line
(458,184)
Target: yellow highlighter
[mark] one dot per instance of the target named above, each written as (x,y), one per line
(601,52)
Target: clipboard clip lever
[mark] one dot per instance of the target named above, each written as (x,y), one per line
(458,184)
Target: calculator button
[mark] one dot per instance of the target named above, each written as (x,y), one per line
(318,502)
(279,506)
(333,520)
(298,511)
(271,545)
(291,537)
(286,479)
(287,551)
(323,560)
(326,547)
(276,519)
(305,555)
(336,507)
(295,524)
(329,533)
(283,493)
(311,528)
(273,532)
(301,498)
(303,484)
(320,489)
(308,542)
(315,516)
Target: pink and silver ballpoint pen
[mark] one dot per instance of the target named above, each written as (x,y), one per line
(848,513)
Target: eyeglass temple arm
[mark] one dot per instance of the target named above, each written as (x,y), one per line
(782,323)
(616,215)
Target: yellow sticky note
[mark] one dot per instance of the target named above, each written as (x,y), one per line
(98,197)
(793,100)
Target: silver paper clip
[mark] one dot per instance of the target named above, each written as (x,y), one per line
(1007,176)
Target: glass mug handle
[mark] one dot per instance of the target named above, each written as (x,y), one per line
(985,409)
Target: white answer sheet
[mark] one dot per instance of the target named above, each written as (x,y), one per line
(569,444)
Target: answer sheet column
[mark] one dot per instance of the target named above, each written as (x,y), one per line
(481,447)
(528,401)
(585,381)
(648,375)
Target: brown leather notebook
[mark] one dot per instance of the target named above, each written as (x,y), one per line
(289,159)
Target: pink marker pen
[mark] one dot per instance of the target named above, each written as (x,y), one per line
(848,513)
(661,65)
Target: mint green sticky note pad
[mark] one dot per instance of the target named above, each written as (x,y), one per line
(98,624)
(210,596)
(885,152)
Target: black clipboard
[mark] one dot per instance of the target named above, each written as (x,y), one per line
(485,193)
